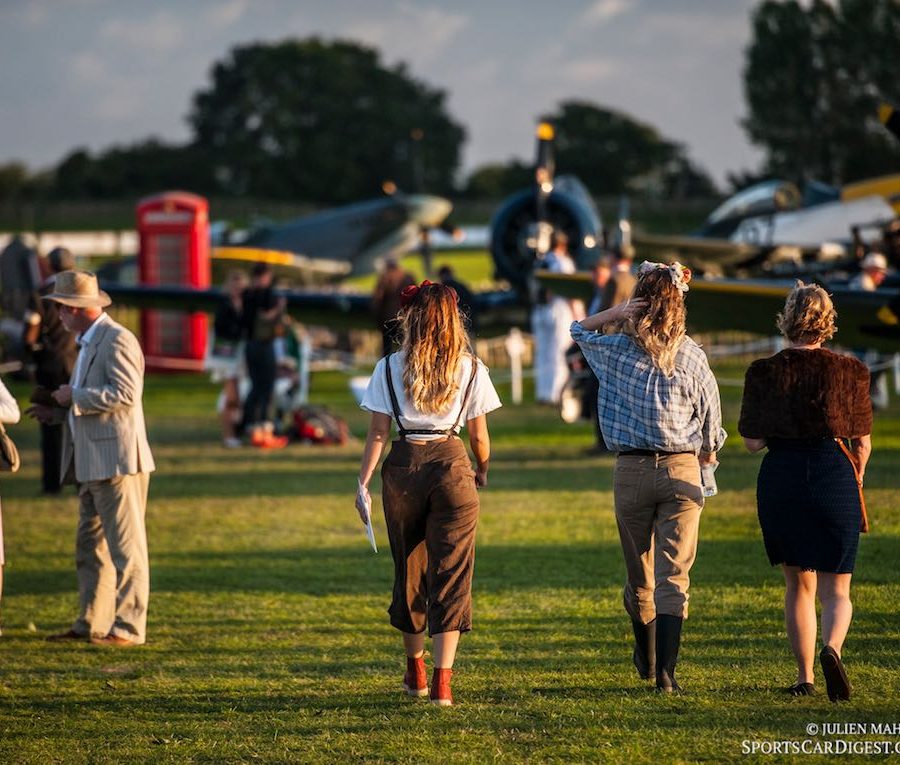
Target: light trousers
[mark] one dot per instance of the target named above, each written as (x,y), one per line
(111,558)
(658,502)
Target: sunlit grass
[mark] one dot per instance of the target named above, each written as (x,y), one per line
(268,637)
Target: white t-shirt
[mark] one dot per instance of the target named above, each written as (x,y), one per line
(483,397)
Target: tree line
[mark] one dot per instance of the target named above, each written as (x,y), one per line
(328,122)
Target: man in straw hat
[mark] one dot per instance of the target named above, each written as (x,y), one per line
(106,455)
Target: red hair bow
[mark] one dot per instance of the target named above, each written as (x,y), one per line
(408,294)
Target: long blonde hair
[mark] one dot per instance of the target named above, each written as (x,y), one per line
(434,341)
(660,329)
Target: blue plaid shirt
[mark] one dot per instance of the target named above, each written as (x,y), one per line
(640,408)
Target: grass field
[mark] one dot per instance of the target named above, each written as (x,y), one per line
(269,642)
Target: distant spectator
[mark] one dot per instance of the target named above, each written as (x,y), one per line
(890,238)
(225,361)
(600,276)
(52,353)
(621,283)
(873,273)
(550,320)
(386,302)
(262,311)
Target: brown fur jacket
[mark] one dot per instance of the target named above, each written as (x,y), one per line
(802,393)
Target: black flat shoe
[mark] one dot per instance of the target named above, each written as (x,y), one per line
(801,689)
(836,681)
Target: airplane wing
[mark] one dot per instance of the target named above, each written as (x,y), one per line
(497,310)
(865,319)
(700,253)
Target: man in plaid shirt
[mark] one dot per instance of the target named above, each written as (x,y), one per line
(659,409)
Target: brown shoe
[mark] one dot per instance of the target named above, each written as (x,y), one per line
(113,641)
(64,636)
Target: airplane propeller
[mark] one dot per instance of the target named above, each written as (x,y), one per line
(522,226)
(544,170)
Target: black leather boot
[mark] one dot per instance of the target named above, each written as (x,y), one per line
(644,648)
(668,640)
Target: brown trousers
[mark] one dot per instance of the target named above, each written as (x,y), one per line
(658,503)
(431,511)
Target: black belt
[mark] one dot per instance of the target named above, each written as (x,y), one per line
(648,453)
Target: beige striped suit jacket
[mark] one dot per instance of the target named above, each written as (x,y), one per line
(110,437)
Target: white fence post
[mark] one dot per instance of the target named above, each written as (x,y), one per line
(515,347)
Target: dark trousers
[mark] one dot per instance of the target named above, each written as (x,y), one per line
(431,511)
(592,391)
(51,456)
(261,368)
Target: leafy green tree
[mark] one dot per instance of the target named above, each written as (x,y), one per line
(320,121)
(13,180)
(495,180)
(613,153)
(133,170)
(813,75)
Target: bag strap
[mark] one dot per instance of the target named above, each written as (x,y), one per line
(394,404)
(864,523)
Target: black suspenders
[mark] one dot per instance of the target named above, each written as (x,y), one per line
(396,406)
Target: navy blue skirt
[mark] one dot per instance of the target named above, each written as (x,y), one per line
(808,505)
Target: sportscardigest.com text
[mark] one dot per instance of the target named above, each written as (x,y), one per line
(875,739)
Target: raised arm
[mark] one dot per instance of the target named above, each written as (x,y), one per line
(614,314)
(480,441)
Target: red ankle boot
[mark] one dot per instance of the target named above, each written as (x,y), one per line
(440,687)
(415,681)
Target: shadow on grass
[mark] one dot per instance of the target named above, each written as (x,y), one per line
(499,569)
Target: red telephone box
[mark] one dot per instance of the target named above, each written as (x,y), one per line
(173,229)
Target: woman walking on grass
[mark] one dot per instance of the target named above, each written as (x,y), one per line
(659,409)
(430,387)
(802,404)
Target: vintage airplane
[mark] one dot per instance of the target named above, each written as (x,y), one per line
(322,248)
(771,229)
(519,238)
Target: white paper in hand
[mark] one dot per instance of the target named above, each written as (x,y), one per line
(364,502)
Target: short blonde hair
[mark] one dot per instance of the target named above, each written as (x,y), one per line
(808,315)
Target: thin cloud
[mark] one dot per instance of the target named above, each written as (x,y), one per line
(160,33)
(226,14)
(603,11)
(413,34)
(588,71)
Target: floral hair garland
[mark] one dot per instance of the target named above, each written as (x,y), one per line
(408,294)
(679,274)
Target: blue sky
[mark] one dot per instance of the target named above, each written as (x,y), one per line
(97,72)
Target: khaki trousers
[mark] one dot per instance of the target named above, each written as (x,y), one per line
(658,502)
(111,557)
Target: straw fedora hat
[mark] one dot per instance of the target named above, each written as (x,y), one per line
(78,289)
